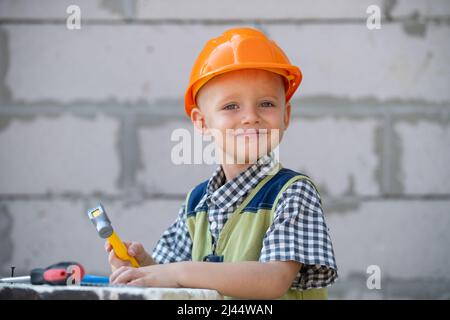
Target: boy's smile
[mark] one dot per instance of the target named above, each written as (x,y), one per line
(245,111)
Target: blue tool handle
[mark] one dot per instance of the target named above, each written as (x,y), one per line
(89,278)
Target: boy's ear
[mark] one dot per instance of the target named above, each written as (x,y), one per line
(287,115)
(198,119)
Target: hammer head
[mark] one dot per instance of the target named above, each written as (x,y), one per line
(101,221)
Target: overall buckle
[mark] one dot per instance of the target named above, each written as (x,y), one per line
(213,258)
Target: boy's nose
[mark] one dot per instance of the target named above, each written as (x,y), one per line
(250,116)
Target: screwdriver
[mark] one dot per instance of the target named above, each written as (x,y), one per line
(58,274)
(62,273)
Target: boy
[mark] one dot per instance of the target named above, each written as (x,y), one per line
(254,230)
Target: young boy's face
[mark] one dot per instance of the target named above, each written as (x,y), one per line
(245,112)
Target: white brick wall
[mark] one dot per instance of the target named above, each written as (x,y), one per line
(339,154)
(425,156)
(253,9)
(404,238)
(135,63)
(230,10)
(124,64)
(386,64)
(59,154)
(435,8)
(56,9)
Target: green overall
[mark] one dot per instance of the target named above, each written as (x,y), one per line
(241,238)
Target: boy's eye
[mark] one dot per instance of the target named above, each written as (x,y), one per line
(230,106)
(267,104)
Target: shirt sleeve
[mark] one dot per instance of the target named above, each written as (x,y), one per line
(175,244)
(299,233)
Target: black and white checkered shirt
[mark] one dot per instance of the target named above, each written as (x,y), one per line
(298,232)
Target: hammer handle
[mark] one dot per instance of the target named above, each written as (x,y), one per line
(121,250)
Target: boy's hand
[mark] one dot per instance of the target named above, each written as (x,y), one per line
(159,275)
(135,249)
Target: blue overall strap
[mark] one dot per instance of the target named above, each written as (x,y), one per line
(266,196)
(195,196)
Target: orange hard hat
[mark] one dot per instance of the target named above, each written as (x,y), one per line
(235,49)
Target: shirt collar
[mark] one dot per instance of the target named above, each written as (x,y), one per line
(224,194)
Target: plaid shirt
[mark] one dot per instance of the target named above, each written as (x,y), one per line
(298,232)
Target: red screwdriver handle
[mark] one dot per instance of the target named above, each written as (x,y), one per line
(57,274)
